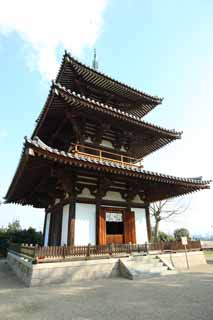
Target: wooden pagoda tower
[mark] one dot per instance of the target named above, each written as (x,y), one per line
(83,163)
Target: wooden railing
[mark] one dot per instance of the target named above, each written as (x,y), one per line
(174,246)
(45,254)
(101,154)
(40,254)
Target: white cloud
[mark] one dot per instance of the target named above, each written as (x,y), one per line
(49,25)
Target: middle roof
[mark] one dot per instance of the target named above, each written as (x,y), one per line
(67,114)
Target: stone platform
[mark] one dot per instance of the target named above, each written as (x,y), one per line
(131,267)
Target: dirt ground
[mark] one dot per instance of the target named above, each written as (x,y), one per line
(185,296)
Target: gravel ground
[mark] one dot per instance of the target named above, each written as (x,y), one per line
(186,296)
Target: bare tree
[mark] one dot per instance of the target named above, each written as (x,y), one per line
(165,209)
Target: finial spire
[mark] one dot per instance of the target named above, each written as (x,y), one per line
(95,62)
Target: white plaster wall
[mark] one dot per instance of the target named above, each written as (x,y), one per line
(137,199)
(86,194)
(85,224)
(64,226)
(140,225)
(47,229)
(106,143)
(113,195)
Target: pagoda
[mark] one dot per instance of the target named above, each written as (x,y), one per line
(84,161)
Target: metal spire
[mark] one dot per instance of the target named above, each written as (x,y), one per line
(95,62)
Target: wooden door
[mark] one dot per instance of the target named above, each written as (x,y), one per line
(129,227)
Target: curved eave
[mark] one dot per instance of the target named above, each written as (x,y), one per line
(72,98)
(18,172)
(37,149)
(104,81)
(66,156)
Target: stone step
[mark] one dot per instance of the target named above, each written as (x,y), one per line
(136,274)
(146,259)
(152,269)
(143,268)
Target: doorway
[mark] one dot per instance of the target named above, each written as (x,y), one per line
(116,225)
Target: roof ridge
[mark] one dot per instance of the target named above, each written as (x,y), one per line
(68,55)
(116,110)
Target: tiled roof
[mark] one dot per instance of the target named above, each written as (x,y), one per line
(36,149)
(71,97)
(36,142)
(103,80)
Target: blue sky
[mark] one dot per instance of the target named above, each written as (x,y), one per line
(163,47)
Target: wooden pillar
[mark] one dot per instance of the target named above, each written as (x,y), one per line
(44,227)
(71,226)
(72,209)
(98,206)
(148,224)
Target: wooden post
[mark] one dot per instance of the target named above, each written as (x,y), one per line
(148,224)
(147,247)
(88,250)
(71,226)
(98,205)
(64,251)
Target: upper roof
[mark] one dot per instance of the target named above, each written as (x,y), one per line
(126,97)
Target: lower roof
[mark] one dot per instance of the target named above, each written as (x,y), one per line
(32,178)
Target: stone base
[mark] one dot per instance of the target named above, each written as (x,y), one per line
(178,260)
(58,272)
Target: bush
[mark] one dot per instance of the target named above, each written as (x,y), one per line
(162,236)
(182,232)
(14,233)
(29,236)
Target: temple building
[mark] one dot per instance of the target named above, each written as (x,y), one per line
(84,161)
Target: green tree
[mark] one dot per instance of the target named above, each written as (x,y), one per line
(14,226)
(182,232)
(162,236)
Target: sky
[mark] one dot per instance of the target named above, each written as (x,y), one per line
(163,47)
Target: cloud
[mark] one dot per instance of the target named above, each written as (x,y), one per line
(47,26)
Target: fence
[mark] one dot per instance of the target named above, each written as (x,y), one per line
(42,254)
(174,246)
